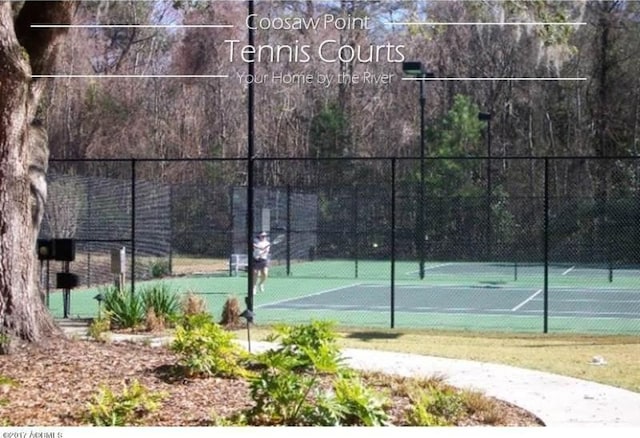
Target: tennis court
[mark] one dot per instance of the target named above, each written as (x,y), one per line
(472,300)
(476,296)
(456,295)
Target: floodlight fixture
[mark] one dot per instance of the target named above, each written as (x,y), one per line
(412,68)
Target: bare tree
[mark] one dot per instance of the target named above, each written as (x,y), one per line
(24,51)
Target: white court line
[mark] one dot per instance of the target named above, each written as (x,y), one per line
(585,313)
(592,300)
(387,308)
(526,301)
(568,270)
(310,295)
(527,314)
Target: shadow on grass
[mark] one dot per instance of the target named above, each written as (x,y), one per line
(582,344)
(372,335)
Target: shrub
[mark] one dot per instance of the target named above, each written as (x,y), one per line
(193,304)
(477,404)
(289,389)
(359,405)
(154,323)
(160,268)
(446,402)
(205,349)
(126,310)
(301,340)
(125,409)
(99,327)
(162,300)
(438,406)
(231,312)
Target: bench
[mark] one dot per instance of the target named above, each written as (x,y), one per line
(238,262)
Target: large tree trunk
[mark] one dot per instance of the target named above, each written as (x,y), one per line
(23,160)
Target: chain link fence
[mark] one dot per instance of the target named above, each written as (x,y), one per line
(384,223)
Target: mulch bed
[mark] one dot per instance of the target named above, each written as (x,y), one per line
(52,384)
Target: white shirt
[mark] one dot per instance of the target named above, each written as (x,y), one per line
(261,249)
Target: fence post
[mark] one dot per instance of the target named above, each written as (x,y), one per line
(288,247)
(356,244)
(393,242)
(89,225)
(171,229)
(133,225)
(546,245)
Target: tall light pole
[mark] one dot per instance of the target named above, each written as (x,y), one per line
(486,117)
(414,69)
(250,159)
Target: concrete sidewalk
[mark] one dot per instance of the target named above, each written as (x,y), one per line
(556,400)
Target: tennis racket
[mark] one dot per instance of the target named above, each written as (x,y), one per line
(279,239)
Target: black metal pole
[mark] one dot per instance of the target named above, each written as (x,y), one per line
(393,242)
(66,294)
(171,230)
(356,237)
(250,158)
(489,229)
(133,226)
(288,230)
(546,245)
(486,117)
(249,335)
(89,246)
(421,231)
(48,288)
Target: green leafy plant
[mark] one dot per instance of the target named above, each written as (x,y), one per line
(283,396)
(125,409)
(160,268)
(162,300)
(205,349)
(360,405)
(126,310)
(285,390)
(6,384)
(99,327)
(300,340)
(291,386)
(437,406)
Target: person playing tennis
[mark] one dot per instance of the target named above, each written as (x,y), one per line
(261,248)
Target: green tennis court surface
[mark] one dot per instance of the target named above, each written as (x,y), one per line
(614,303)
(470,296)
